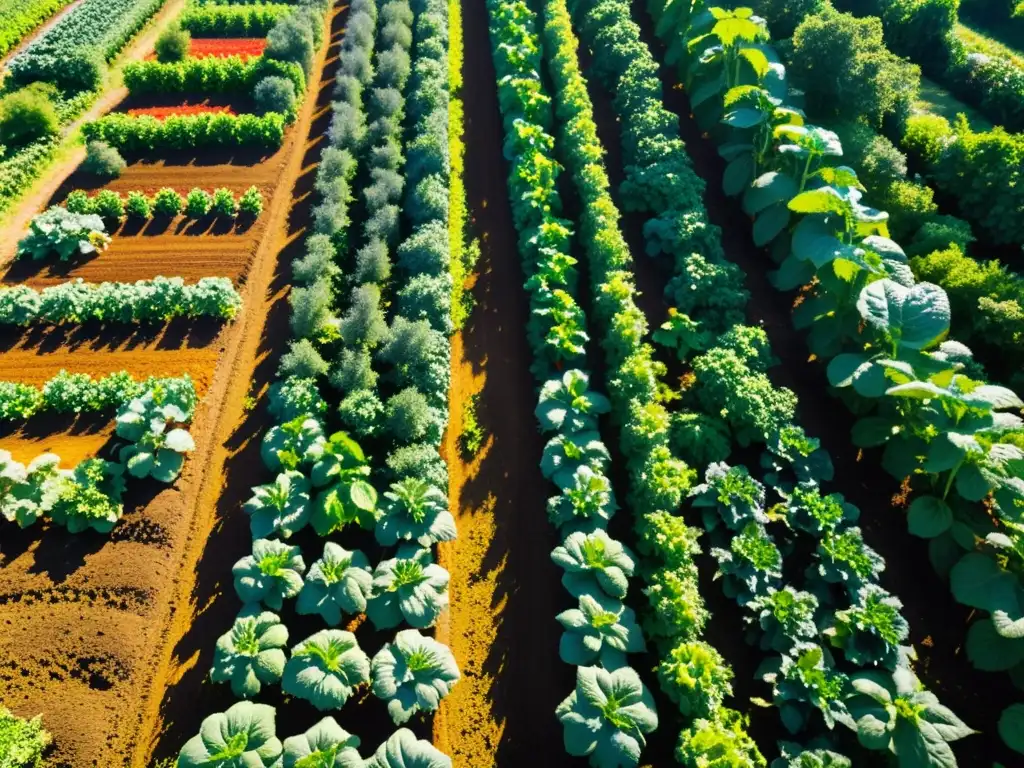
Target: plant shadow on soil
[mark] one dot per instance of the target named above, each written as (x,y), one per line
(180,333)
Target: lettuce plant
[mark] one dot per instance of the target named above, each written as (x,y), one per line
(326,668)
(243,735)
(594,562)
(348,496)
(403,750)
(409,586)
(412,674)
(270,574)
(871,630)
(586,504)
(325,745)
(719,742)
(751,566)
(567,405)
(338,583)
(89,496)
(793,456)
(153,450)
(64,233)
(292,444)
(281,507)
(729,495)
(564,454)
(807,510)
(250,655)
(696,678)
(26,493)
(785,617)
(844,558)
(601,630)
(415,511)
(894,712)
(607,717)
(804,680)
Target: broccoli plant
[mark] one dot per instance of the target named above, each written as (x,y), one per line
(723,738)
(564,454)
(803,680)
(89,496)
(348,497)
(586,504)
(594,562)
(281,507)
(567,405)
(338,583)
(250,655)
(871,630)
(751,566)
(244,735)
(326,668)
(402,750)
(601,630)
(793,456)
(153,450)
(785,617)
(696,678)
(409,586)
(325,745)
(27,493)
(807,510)
(415,510)
(729,495)
(270,574)
(607,717)
(64,233)
(412,674)
(844,558)
(292,444)
(895,713)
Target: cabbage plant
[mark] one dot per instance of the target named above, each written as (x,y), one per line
(607,717)
(601,630)
(244,735)
(250,655)
(844,558)
(412,674)
(64,233)
(871,631)
(153,449)
(338,583)
(281,507)
(586,504)
(270,574)
(784,617)
(27,493)
(415,511)
(804,680)
(809,511)
(564,454)
(594,562)
(325,745)
(729,495)
(341,469)
(326,668)
(403,750)
(567,405)
(751,566)
(292,444)
(895,713)
(409,586)
(89,496)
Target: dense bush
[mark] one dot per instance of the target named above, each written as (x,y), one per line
(198,203)
(140,134)
(223,203)
(994,85)
(167,202)
(101,159)
(173,45)
(18,19)
(250,204)
(233,20)
(213,74)
(27,115)
(138,206)
(275,94)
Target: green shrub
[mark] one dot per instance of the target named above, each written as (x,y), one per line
(361,412)
(22,742)
(923,31)
(173,44)
(27,115)
(291,40)
(939,233)
(302,360)
(109,205)
(138,206)
(79,202)
(909,205)
(224,203)
(198,203)
(407,415)
(167,202)
(275,94)
(103,160)
(251,203)
(926,137)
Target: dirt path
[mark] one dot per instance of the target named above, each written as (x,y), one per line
(505,590)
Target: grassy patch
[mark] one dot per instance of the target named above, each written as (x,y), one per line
(979,40)
(936,100)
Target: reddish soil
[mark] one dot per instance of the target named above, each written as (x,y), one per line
(202,47)
(181,109)
(90,621)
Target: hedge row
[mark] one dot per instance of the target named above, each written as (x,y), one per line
(232,20)
(210,75)
(142,134)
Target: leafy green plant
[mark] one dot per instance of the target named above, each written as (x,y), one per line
(412,674)
(67,234)
(138,206)
(103,160)
(403,750)
(804,680)
(108,205)
(326,668)
(167,202)
(807,510)
(473,434)
(250,654)
(722,741)
(281,507)
(594,562)
(293,444)
(565,454)
(871,631)
(729,495)
(89,497)
(250,203)
(243,735)
(27,493)
(338,583)
(696,678)
(173,44)
(270,574)
(585,504)
(568,406)
(325,744)
(844,558)
(198,203)
(601,630)
(751,566)
(223,203)
(607,717)
(153,450)
(408,587)
(416,511)
(791,453)
(348,496)
(22,742)
(795,756)
(784,617)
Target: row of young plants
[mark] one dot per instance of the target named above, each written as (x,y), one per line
(144,301)
(81,393)
(943,428)
(72,54)
(150,442)
(611,712)
(145,134)
(166,203)
(254,20)
(325,482)
(17,19)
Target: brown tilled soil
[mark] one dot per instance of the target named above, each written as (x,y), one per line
(89,622)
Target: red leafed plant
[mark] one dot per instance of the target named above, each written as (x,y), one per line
(180,109)
(227,46)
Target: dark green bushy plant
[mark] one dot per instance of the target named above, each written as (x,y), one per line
(103,160)
(173,44)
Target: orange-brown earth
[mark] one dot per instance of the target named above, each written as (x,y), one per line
(88,621)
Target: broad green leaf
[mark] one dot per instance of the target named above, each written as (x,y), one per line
(1011,727)
(823,200)
(768,189)
(991,652)
(929,516)
(737,175)
(769,223)
(979,581)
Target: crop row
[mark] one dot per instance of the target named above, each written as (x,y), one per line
(142,134)
(73,51)
(230,75)
(326,481)
(198,203)
(232,20)
(17,19)
(81,393)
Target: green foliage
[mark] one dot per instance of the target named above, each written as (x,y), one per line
(233,20)
(144,134)
(198,203)
(102,160)
(281,507)
(338,583)
(243,734)
(473,433)
(67,234)
(784,617)
(303,360)
(402,750)
(600,631)
(212,75)
(751,566)
(926,137)
(270,574)
(594,563)
(22,742)
(173,44)
(18,19)
(409,587)
(275,94)
(250,655)
(871,631)
(695,677)
(414,510)
(326,668)
(90,497)
(412,674)
(719,743)
(568,405)
(167,202)
(326,744)
(138,206)
(155,449)
(223,202)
